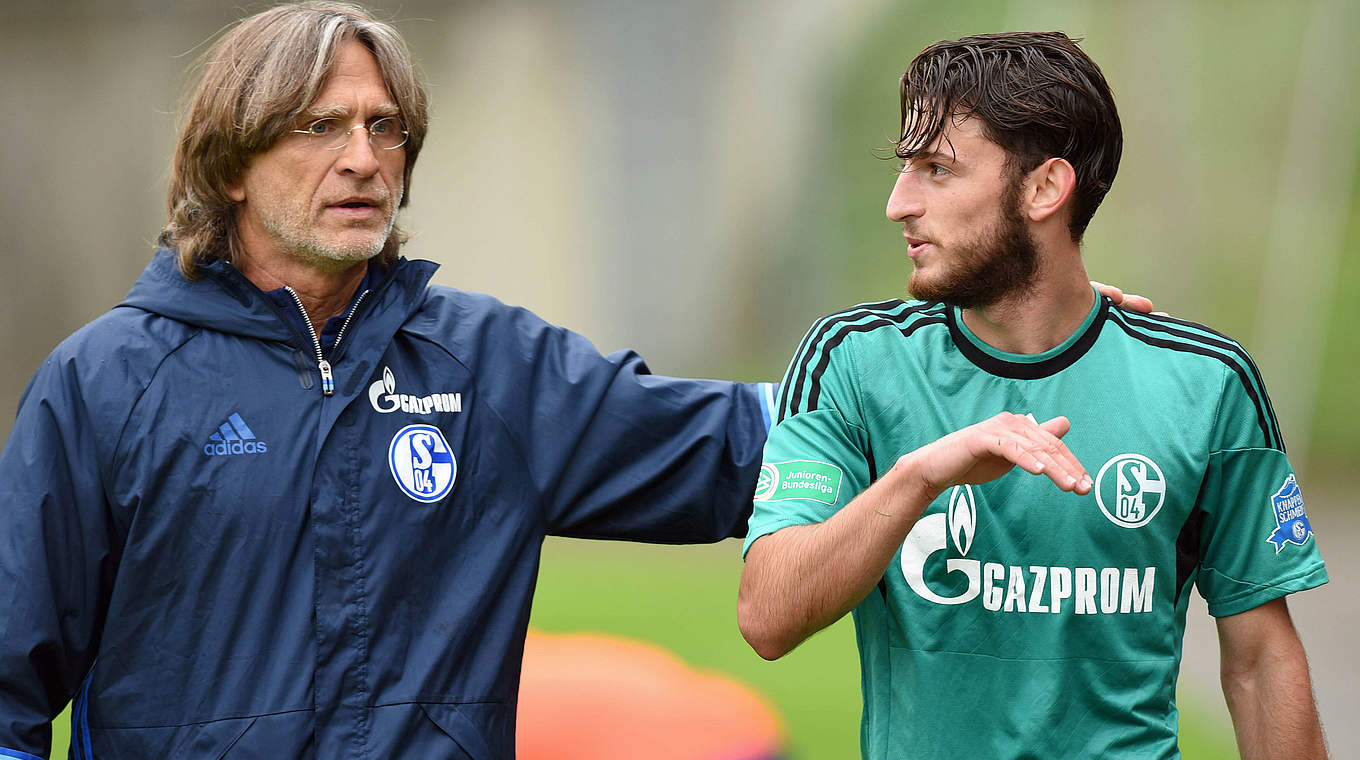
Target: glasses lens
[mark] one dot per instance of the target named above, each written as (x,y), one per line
(387,133)
(326,133)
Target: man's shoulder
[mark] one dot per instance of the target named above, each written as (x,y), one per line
(845,347)
(1181,354)
(879,325)
(480,329)
(125,333)
(104,365)
(1182,345)
(459,314)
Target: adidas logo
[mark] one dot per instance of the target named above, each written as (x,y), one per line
(234,437)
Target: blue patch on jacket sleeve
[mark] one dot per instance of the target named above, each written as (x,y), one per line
(14,753)
(768,393)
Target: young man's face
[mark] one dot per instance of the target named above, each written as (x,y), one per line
(958,204)
(304,202)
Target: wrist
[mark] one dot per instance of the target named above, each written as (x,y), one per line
(909,478)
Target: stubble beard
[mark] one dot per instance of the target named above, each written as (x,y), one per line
(295,230)
(1001,261)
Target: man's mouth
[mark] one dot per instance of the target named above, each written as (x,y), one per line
(357,208)
(915,246)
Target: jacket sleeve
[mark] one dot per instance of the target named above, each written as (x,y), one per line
(623,454)
(55,566)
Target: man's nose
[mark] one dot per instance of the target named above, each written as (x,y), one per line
(358,156)
(905,202)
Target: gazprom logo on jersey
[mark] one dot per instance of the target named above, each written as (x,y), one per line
(1011,588)
(234,437)
(1291,522)
(382,394)
(1130,490)
(422,462)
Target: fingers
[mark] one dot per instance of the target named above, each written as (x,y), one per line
(1037,449)
(1137,303)
(1058,426)
(1109,291)
(1060,464)
(1127,300)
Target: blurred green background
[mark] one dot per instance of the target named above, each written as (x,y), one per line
(698,181)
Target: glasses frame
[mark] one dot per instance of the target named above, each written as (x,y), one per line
(367,127)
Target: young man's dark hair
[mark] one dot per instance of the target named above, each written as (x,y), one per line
(1037,95)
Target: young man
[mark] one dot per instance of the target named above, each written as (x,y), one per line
(1011,483)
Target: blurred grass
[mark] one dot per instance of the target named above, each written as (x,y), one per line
(685,599)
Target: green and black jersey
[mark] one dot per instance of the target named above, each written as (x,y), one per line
(1018,620)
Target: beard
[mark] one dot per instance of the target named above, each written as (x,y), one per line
(1001,261)
(293,228)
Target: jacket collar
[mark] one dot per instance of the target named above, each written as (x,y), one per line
(223,299)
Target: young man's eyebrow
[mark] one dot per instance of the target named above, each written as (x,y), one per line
(934,155)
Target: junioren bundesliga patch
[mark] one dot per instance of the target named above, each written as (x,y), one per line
(798,479)
(1292,526)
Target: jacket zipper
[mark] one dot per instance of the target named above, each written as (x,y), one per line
(327,377)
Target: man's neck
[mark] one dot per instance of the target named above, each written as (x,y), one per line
(1039,318)
(325,291)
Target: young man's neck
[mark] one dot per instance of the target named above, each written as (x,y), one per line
(325,288)
(1041,317)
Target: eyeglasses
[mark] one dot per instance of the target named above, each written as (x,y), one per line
(386,133)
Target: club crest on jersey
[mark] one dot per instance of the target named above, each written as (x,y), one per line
(1130,490)
(383,396)
(1291,522)
(422,462)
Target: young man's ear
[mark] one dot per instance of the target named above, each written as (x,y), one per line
(1049,187)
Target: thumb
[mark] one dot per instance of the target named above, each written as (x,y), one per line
(1058,426)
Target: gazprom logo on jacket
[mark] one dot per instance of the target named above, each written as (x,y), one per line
(382,394)
(1291,522)
(422,462)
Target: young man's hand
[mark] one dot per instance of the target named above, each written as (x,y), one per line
(986,450)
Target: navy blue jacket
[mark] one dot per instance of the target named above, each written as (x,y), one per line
(217,560)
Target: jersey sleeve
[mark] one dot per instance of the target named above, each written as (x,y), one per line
(56,568)
(1256,541)
(620,453)
(817,456)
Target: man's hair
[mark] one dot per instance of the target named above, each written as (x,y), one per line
(254,84)
(1036,94)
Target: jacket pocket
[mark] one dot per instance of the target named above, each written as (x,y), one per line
(468,725)
(283,736)
(200,740)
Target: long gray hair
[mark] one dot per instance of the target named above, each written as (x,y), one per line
(254,83)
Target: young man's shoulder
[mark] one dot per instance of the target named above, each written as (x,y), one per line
(873,323)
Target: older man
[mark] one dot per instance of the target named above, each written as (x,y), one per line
(287,500)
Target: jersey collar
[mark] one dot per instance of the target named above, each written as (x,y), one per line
(1027,366)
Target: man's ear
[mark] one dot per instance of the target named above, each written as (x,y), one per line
(236,191)
(1049,187)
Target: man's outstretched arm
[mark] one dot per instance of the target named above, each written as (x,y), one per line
(1267,687)
(802,578)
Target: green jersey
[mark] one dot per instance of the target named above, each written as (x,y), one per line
(1018,620)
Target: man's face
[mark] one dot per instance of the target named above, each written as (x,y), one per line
(326,207)
(959,206)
